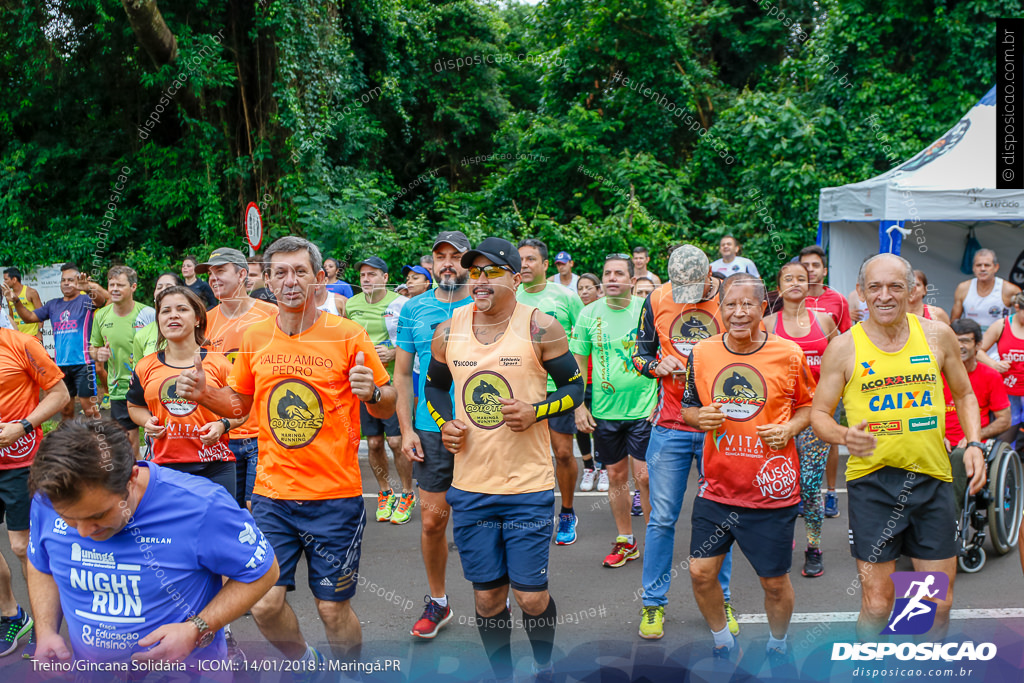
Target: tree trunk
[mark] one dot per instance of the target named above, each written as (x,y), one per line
(151,30)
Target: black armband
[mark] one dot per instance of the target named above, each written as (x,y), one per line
(569,387)
(437,392)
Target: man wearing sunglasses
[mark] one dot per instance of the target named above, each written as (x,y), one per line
(564,306)
(499,353)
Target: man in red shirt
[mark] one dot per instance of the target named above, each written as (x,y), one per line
(25,370)
(988,387)
(750,393)
(830,302)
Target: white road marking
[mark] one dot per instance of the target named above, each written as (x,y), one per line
(837,617)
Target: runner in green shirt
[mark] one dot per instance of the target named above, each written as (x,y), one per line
(377,310)
(622,398)
(564,306)
(113,334)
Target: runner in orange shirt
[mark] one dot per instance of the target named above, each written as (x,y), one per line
(182,434)
(25,369)
(305,374)
(228,271)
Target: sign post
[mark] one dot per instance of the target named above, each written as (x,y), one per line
(253,228)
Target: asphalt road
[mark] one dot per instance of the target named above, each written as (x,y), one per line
(597,637)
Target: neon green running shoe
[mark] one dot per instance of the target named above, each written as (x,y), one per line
(403,510)
(652,622)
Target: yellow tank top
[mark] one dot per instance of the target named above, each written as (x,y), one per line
(900,396)
(31,329)
(494,459)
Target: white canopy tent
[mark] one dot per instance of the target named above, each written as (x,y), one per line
(924,208)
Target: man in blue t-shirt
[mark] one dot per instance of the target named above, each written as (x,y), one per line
(421,440)
(71,320)
(131,554)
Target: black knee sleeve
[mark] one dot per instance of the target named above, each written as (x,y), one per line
(540,629)
(496,634)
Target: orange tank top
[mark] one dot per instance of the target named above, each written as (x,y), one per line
(494,459)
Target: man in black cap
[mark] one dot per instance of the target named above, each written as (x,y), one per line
(377,310)
(498,354)
(421,437)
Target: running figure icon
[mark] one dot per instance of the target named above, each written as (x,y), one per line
(915,606)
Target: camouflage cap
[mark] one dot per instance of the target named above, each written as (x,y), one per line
(688,271)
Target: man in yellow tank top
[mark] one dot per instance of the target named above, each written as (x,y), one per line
(498,353)
(889,371)
(29,298)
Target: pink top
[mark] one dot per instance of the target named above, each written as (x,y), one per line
(813,343)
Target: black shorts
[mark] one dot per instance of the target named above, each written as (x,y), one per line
(80,380)
(564,423)
(896,512)
(329,532)
(119,413)
(374,426)
(219,472)
(434,474)
(615,439)
(765,535)
(14,498)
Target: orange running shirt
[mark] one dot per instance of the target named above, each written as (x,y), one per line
(678,327)
(25,368)
(225,335)
(153,386)
(494,459)
(763,387)
(308,416)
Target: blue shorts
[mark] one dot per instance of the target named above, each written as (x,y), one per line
(246,457)
(503,539)
(765,535)
(329,531)
(1016,411)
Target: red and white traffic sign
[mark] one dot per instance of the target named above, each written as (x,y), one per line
(253,226)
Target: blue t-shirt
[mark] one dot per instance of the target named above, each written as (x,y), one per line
(340,287)
(72,325)
(162,568)
(416,324)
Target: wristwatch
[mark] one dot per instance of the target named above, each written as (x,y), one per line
(227,424)
(976,444)
(376,395)
(27,426)
(205,636)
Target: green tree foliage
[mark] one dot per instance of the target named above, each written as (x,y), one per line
(369,125)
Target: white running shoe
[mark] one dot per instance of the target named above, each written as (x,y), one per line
(587,483)
(602,480)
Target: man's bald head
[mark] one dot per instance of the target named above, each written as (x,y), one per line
(886,259)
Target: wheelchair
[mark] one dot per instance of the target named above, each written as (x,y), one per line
(999,505)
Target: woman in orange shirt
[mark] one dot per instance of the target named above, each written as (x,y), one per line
(182,434)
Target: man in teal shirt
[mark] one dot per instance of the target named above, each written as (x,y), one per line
(377,310)
(623,398)
(564,306)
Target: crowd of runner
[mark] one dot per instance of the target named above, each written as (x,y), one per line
(482,373)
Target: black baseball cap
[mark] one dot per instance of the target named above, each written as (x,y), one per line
(374,262)
(453,237)
(499,251)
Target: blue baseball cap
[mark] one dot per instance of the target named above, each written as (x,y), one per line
(563,257)
(416,269)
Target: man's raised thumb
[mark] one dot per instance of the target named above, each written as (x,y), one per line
(199,361)
(360,359)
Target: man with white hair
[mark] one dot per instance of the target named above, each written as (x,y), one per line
(889,371)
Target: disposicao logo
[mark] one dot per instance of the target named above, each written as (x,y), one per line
(914,614)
